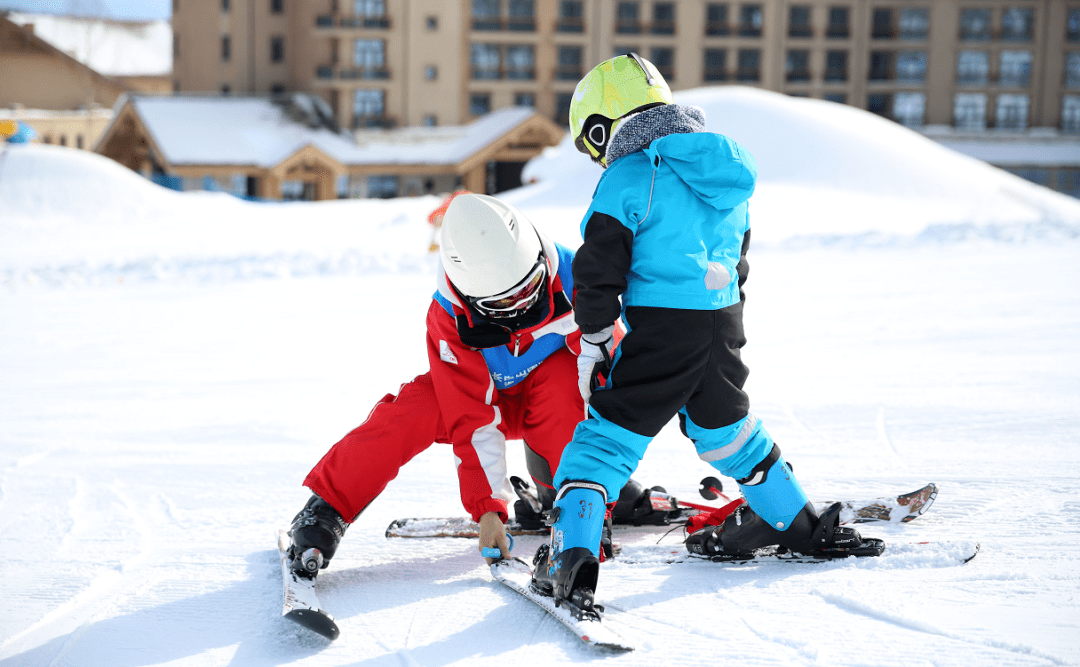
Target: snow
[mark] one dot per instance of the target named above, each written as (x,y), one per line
(171,366)
(113,48)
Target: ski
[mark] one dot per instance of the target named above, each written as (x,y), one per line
(893,509)
(906,555)
(301,605)
(515,574)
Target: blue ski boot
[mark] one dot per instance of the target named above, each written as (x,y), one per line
(568,568)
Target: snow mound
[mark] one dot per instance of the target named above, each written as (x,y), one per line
(829,170)
(68,216)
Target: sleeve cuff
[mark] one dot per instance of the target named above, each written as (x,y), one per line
(491,505)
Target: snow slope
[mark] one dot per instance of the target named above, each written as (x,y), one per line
(171,365)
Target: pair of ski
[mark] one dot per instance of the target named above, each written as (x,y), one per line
(301,603)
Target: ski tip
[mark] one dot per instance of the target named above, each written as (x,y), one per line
(975,553)
(316,621)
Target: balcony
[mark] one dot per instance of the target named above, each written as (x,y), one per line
(330,73)
(800,31)
(836,74)
(628,27)
(884,32)
(569,73)
(491,74)
(498,24)
(748,74)
(717,74)
(748,30)
(363,122)
(662,28)
(569,24)
(798,75)
(353,22)
(838,32)
(717,29)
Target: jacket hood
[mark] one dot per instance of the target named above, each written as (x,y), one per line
(716,169)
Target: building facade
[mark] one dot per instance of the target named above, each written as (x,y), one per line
(970,64)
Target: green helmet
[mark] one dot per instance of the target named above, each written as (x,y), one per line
(612,90)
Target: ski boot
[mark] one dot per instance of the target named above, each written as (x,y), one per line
(638,506)
(743,532)
(315,532)
(568,568)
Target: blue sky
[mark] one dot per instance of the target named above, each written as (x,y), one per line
(122,10)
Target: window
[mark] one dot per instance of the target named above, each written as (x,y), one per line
(479,103)
(522,16)
(1017,24)
(1012,111)
(623,51)
(836,64)
(485,62)
(277,6)
(799,21)
(1072,70)
(626,18)
(1072,26)
(571,17)
(369,107)
(525,100)
(485,15)
(1015,69)
(382,187)
(369,55)
(838,23)
(226,48)
(1070,113)
(663,18)
(715,65)
(914,23)
(839,98)
(226,89)
(562,107)
(909,109)
(969,111)
(520,63)
(797,65)
(882,24)
(974,24)
(911,67)
(881,65)
(430,120)
(569,67)
(716,19)
(880,104)
(431,72)
(1068,181)
(749,65)
(277,49)
(225,5)
(972,68)
(750,20)
(277,89)
(433,23)
(78,141)
(664,59)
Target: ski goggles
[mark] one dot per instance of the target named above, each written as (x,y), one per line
(518,298)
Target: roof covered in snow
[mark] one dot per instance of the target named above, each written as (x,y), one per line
(112,48)
(1037,147)
(260,131)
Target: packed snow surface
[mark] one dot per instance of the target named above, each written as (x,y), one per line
(172,365)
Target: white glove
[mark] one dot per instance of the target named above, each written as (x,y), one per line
(595,358)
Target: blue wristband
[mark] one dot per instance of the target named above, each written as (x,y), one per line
(493,552)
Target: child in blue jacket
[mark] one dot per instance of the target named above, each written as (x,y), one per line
(664,249)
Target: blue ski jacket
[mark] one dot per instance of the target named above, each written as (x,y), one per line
(665,229)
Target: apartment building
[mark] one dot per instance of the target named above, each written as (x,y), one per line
(969,65)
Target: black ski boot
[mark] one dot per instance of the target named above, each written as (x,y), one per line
(638,506)
(743,532)
(315,532)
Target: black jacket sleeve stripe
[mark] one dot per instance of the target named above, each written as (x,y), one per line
(600,268)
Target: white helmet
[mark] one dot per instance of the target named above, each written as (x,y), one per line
(488,247)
